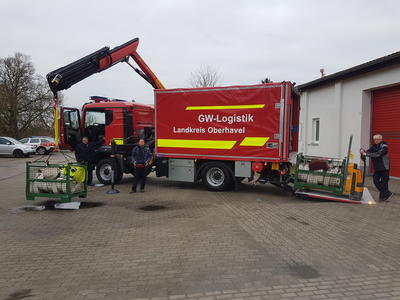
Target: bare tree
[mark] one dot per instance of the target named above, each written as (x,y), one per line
(204,76)
(25,98)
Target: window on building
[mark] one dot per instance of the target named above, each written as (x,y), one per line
(315,130)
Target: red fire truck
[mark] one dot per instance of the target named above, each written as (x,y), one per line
(215,135)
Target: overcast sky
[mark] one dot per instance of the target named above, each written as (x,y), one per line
(245,41)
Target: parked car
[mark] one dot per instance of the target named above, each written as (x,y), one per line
(11,146)
(51,139)
(43,145)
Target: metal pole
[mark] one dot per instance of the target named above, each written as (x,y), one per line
(346,170)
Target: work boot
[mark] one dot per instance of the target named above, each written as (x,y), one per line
(387,197)
(132,191)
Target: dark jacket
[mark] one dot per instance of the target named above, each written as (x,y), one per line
(379,154)
(85,152)
(141,155)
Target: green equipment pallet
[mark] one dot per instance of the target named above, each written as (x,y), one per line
(62,181)
(331,181)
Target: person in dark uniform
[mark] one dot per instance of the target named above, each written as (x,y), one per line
(141,156)
(84,153)
(379,154)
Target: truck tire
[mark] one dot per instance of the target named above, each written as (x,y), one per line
(18,153)
(41,150)
(216,176)
(103,171)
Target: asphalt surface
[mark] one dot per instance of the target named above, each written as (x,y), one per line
(180,241)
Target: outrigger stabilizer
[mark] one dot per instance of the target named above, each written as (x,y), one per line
(331,179)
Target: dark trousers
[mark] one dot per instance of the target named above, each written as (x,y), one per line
(381,181)
(90,168)
(140,176)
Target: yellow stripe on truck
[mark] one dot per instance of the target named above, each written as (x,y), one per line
(203,144)
(225,107)
(254,141)
(118,141)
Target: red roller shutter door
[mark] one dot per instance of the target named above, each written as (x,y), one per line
(386,121)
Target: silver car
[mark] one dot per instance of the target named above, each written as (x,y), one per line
(10,146)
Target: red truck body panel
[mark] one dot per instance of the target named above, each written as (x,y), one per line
(227,123)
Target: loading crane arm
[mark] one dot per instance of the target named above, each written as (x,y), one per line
(98,61)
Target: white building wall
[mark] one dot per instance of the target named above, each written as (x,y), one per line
(344,108)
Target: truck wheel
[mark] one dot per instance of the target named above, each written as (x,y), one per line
(18,153)
(103,171)
(41,150)
(216,176)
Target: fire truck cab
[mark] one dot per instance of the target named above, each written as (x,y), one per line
(119,120)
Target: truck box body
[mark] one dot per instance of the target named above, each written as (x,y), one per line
(248,123)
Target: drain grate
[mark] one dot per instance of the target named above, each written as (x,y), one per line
(303,271)
(152,207)
(25,293)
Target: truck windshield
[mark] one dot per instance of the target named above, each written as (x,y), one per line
(96,122)
(98,117)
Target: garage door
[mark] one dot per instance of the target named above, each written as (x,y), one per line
(386,121)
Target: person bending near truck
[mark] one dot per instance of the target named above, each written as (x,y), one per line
(84,153)
(379,154)
(141,156)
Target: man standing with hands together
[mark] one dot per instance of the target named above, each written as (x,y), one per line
(141,156)
(379,154)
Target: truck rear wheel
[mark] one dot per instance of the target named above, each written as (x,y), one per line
(216,176)
(103,171)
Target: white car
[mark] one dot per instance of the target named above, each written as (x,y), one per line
(10,146)
(43,145)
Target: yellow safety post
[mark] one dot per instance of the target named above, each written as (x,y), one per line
(56,133)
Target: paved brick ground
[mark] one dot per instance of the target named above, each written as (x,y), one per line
(256,243)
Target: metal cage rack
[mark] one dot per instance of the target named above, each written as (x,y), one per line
(62,181)
(332,179)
